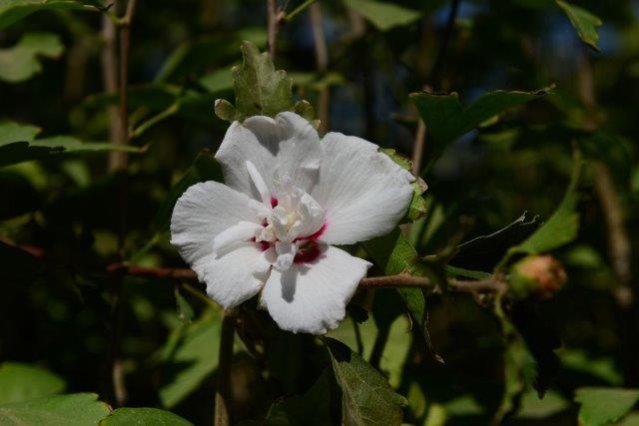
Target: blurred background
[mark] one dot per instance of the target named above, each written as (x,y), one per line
(356,64)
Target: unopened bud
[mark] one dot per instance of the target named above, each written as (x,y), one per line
(541,275)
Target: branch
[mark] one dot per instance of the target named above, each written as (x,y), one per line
(440,61)
(274,17)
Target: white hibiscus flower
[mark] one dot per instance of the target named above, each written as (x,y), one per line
(288,198)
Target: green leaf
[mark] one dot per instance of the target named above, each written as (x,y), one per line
(204,168)
(11,132)
(418,207)
(143,416)
(62,410)
(259,88)
(584,22)
(18,152)
(20,62)
(446,119)
(533,407)
(12,11)
(184,309)
(395,255)
(561,228)
(311,409)
(383,15)
(23,382)
(191,355)
(519,365)
(367,398)
(601,406)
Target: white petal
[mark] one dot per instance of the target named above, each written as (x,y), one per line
(312,298)
(259,183)
(203,212)
(287,144)
(234,236)
(364,193)
(235,277)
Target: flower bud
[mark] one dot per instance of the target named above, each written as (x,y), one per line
(540,275)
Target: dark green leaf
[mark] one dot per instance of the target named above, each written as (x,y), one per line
(383,15)
(367,398)
(204,168)
(561,228)
(23,382)
(143,416)
(311,409)
(191,355)
(584,22)
(63,410)
(446,119)
(18,152)
(418,207)
(602,406)
(395,255)
(12,11)
(20,62)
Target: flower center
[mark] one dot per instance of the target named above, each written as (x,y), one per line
(291,222)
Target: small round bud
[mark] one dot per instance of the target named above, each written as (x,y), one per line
(540,275)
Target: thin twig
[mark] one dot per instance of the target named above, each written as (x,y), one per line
(223,380)
(299,9)
(273,18)
(440,61)
(110,82)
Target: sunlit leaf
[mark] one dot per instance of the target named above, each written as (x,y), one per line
(446,119)
(190,356)
(584,22)
(260,89)
(602,406)
(367,398)
(61,410)
(143,416)
(21,62)
(384,15)
(12,11)
(23,382)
